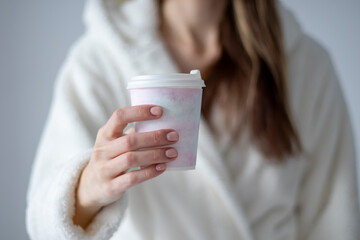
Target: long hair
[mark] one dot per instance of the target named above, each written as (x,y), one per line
(248,81)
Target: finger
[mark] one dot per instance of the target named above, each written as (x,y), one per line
(128,180)
(133,142)
(135,159)
(121,117)
(138,141)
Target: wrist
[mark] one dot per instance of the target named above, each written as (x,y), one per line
(85,209)
(84,213)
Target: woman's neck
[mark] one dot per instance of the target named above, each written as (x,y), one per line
(193,22)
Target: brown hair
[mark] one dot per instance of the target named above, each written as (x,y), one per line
(249,80)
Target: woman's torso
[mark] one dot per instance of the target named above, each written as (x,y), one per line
(234,193)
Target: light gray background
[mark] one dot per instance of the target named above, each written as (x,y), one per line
(34,39)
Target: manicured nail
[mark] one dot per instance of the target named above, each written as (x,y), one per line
(170,153)
(172,136)
(160,167)
(156,111)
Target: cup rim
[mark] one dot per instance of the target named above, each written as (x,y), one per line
(192,79)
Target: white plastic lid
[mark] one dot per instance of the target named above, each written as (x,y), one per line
(192,80)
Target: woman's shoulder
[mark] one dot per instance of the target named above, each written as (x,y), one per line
(298,45)
(309,65)
(311,77)
(313,86)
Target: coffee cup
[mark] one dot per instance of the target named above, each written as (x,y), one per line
(180,96)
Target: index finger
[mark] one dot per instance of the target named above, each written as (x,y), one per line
(121,117)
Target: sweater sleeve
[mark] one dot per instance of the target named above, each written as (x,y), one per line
(328,204)
(82,103)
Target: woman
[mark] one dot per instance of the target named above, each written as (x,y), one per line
(275,158)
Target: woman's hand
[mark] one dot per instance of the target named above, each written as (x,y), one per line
(105,178)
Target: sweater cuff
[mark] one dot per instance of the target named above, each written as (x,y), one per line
(104,224)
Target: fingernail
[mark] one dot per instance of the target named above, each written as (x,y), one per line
(156,111)
(170,153)
(160,167)
(172,136)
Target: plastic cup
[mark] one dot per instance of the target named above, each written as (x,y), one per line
(180,97)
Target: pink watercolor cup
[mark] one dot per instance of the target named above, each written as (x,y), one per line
(180,96)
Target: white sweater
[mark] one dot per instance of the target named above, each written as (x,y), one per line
(237,195)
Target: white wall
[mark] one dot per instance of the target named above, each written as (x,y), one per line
(34,39)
